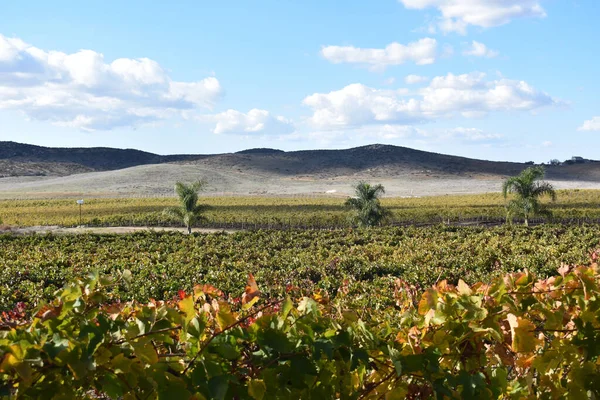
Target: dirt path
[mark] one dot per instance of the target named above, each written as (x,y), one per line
(107,230)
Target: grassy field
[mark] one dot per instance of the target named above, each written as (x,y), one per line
(286,211)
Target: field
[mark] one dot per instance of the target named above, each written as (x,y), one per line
(392,312)
(269,212)
(34,267)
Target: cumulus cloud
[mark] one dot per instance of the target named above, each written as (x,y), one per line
(414,79)
(469,95)
(83,90)
(404,134)
(457,15)
(373,133)
(591,125)
(478,49)
(390,132)
(470,135)
(421,52)
(256,121)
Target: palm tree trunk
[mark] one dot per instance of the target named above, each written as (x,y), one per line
(526,221)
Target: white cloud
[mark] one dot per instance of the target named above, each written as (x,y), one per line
(390,132)
(357,105)
(469,95)
(403,134)
(478,49)
(591,125)
(414,79)
(83,90)
(373,133)
(254,122)
(421,52)
(470,135)
(457,15)
(547,143)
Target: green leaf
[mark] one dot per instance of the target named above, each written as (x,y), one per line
(499,382)
(397,393)
(145,352)
(227,351)
(111,385)
(196,327)
(127,276)
(121,364)
(287,306)
(218,386)
(257,389)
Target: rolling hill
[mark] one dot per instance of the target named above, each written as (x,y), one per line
(41,171)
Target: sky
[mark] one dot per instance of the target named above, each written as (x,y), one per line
(509,80)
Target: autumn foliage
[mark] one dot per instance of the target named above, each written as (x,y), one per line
(514,337)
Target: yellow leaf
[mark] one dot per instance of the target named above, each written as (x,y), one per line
(428,301)
(523,334)
(463,288)
(249,304)
(187,306)
(225,317)
(428,316)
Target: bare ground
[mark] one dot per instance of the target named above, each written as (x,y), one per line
(57,230)
(158,180)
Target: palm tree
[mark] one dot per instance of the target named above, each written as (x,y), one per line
(189,211)
(528,188)
(369,211)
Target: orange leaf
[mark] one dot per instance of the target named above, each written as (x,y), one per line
(47,312)
(251,290)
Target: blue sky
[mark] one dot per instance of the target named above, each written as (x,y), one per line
(495,79)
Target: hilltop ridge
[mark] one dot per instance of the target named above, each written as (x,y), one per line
(27,170)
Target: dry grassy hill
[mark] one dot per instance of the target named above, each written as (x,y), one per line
(34,171)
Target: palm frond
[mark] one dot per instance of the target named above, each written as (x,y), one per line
(544,188)
(174,212)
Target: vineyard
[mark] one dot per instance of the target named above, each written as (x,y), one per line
(409,312)
(34,267)
(280,212)
(341,314)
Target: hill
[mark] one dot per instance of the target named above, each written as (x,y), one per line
(54,161)
(54,172)
(28,160)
